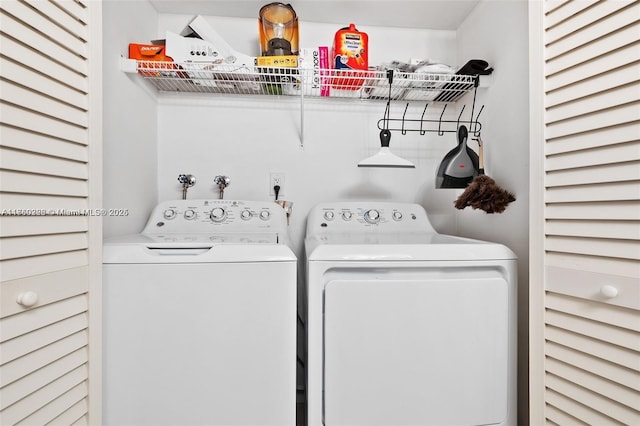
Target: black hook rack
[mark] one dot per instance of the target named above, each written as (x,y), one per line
(438,126)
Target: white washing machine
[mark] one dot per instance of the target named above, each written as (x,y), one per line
(200,318)
(406,326)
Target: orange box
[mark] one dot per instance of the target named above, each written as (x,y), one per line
(153,53)
(148,52)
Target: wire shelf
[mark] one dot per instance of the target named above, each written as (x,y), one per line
(329,83)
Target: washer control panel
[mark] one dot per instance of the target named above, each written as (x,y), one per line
(368,217)
(208,216)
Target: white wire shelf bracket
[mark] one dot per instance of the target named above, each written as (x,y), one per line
(302,82)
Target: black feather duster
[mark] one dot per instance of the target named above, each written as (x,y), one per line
(483,193)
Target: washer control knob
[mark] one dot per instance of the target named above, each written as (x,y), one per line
(347,215)
(329,215)
(169,214)
(218,214)
(245,214)
(190,214)
(397,216)
(265,215)
(372,216)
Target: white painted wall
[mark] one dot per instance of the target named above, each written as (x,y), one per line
(130,119)
(247,138)
(497,31)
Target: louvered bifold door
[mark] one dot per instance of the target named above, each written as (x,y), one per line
(592,212)
(50,172)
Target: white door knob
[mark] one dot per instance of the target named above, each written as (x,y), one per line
(27,298)
(609,291)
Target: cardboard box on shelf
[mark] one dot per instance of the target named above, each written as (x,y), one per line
(200,29)
(147,55)
(313,63)
(148,52)
(210,61)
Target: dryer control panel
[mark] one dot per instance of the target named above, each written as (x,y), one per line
(215,216)
(379,217)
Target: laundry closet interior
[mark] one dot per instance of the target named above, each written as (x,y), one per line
(315,143)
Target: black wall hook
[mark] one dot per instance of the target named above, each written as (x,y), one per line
(440,132)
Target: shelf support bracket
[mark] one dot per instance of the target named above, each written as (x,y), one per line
(301,117)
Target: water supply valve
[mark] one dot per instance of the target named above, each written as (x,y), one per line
(222,182)
(187,182)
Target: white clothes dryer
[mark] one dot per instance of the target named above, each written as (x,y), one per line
(200,318)
(406,326)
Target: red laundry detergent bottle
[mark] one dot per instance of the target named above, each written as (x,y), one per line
(349,52)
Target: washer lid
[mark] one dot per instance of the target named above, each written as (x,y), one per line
(175,239)
(401,247)
(196,248)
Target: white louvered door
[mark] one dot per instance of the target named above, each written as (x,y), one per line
(50,226)
(585,234)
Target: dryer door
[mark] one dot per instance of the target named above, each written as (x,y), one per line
(426,348)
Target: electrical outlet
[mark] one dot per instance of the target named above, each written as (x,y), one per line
(276,178)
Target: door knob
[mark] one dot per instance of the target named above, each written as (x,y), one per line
(27,298)
(609,291)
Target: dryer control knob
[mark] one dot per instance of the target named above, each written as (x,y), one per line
(218,214)
(245,214)
(372,216)
(169,214)
(265,215)
(347,215)
(329,215)
(189,214)
(397,216)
